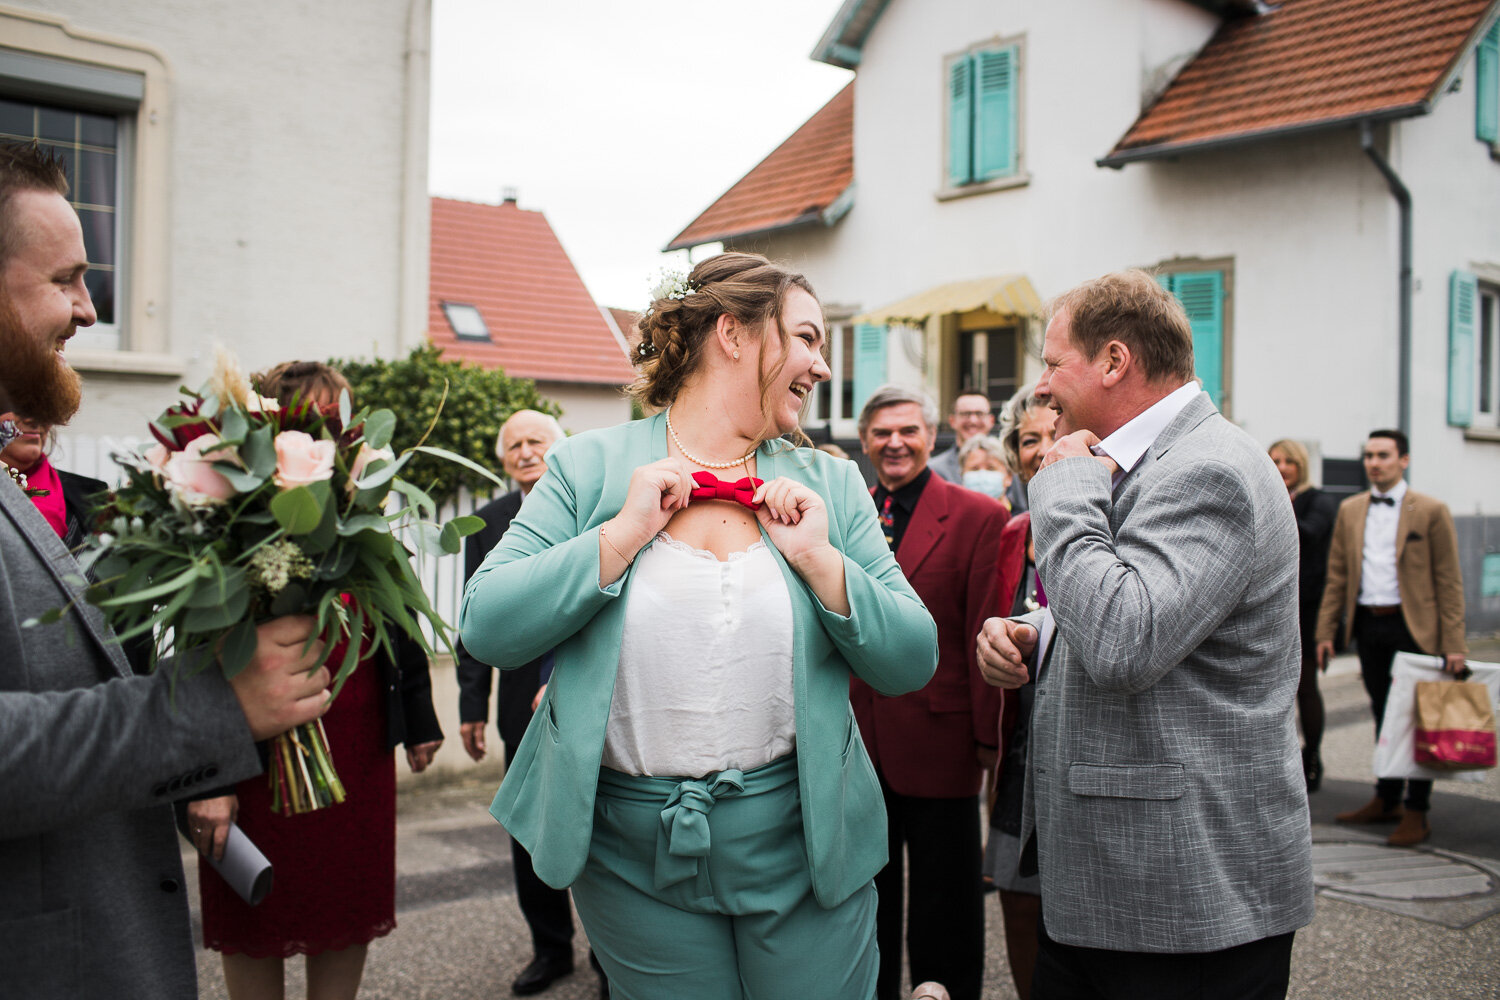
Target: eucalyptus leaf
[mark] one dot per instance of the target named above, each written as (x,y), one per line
(379,426)
(227,583)
(366,522)
(467,524)
(321,538)
(449,539)
(238,647)
(336,563)
(297,510)
(233,426)
(242,480)
(259,452)
(219,616)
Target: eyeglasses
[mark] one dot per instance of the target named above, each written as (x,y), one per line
(971,413)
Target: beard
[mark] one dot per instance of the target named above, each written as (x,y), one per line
(38,382)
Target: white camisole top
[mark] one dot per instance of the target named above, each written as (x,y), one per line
(705,677)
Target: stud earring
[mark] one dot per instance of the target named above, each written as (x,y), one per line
(736,355)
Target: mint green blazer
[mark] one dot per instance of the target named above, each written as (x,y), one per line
(539,590)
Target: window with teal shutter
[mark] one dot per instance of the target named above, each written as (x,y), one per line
(994,113)
(1202,296)
(869,362)
(1463,297)
(960,120)
(983,139)
(1487,86)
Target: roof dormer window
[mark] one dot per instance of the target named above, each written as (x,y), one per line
(466,321)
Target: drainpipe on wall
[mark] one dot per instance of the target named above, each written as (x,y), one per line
(1403,201)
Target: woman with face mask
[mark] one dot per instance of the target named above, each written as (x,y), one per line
(983,462)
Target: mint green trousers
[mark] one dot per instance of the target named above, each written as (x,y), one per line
(699,890)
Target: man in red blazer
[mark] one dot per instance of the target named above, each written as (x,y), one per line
(932,747)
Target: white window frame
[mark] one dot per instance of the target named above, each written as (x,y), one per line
(49,60)
(1021,177)
(1487,314)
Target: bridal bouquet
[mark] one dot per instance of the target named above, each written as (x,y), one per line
(244,511)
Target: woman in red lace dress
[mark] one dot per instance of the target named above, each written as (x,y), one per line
(334,888)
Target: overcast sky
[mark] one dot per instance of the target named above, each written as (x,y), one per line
(620,119)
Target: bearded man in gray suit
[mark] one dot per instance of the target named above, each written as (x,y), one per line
(92,902)
(1165,805)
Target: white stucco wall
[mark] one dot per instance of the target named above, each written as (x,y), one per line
(587,407)
(1455,189)
(296,197)
(1307,225)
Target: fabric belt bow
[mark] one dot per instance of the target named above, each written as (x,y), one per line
(711,487)
(682,843)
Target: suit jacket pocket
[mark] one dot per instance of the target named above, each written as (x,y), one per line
(40,952)
(1127,781)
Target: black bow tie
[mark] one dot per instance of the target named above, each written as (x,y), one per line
(1388,501)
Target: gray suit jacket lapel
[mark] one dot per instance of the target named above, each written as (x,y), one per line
(62,568)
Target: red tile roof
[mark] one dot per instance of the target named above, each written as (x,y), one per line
(626,320)
(803,180)
(1307,64)
(507,262)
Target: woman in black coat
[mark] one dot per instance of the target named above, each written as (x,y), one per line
(1316,512)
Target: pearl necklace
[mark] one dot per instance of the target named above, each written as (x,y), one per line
(695,459)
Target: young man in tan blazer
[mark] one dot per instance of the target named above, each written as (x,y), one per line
(1395,583)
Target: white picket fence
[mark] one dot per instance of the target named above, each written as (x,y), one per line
(442,576)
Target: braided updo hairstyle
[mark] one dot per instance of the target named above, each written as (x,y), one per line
(674,330)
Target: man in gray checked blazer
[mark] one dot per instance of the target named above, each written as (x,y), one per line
(1165,804)
(92,901)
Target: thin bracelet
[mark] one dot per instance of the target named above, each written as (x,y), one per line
(612,545)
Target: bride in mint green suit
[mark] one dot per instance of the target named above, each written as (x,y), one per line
(694,771)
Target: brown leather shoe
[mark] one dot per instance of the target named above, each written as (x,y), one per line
(1411,831)
(1373,811)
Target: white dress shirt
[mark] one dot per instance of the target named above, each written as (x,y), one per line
(1130,441)
(1377,575)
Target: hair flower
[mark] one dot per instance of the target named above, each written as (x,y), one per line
(672,285)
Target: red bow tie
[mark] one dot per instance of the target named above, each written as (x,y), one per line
(711,487)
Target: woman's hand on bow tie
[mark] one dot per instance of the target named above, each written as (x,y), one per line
(657,491)
(796,521)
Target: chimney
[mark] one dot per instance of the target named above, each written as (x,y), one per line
(508,195)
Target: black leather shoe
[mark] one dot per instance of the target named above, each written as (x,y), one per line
(540,974)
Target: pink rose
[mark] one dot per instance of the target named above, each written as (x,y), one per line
(367,455)
(190,472)
(157,457)
(301,459)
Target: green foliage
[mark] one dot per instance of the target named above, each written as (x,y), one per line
(478,402)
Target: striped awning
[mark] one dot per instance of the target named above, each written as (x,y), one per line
(1010,295)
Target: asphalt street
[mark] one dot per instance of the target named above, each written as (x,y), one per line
(1398,923)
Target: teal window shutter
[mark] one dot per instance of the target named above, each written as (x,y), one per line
(995,113)
(1202,296)
(1487,86)
(960,120)
(869,362)
(1463,307)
